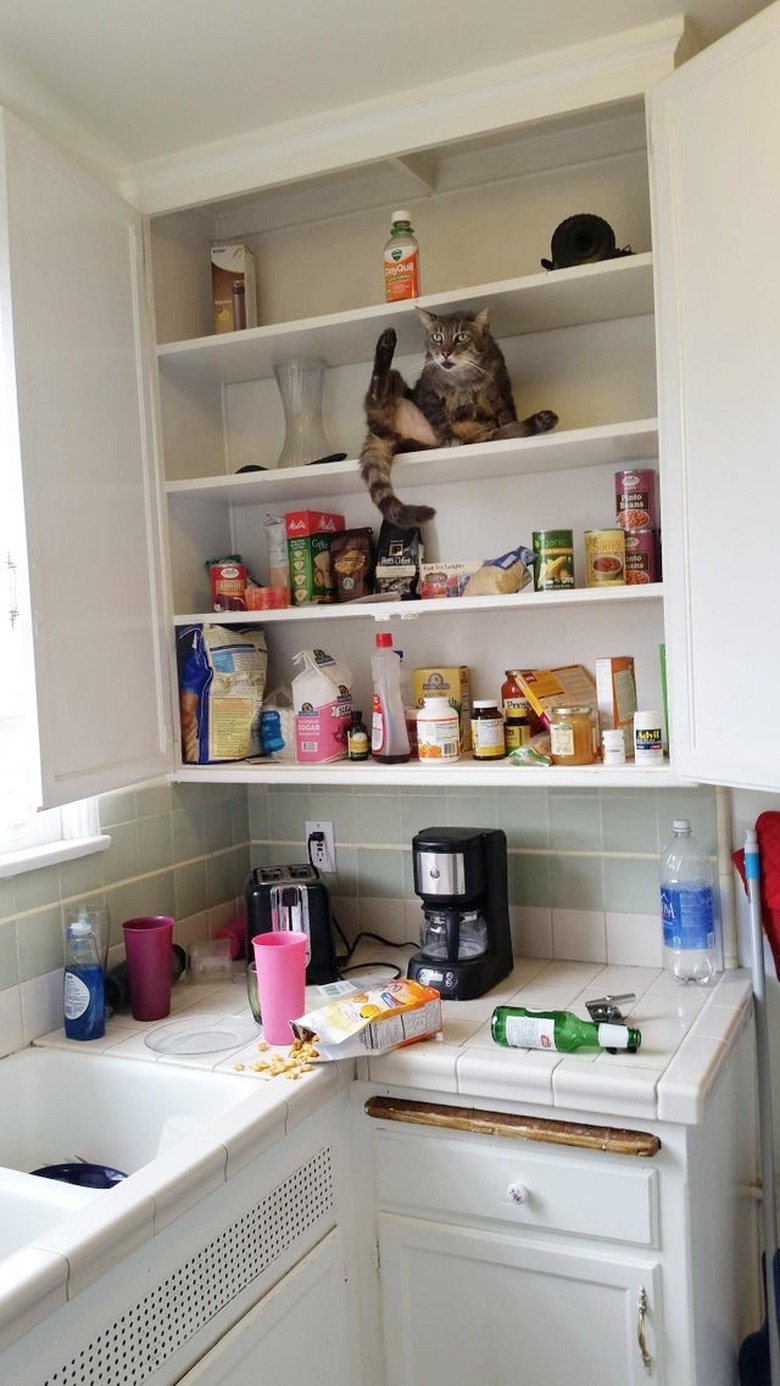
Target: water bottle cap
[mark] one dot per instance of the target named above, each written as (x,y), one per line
(80,928)
(383,640)
(681,825)
(401,216)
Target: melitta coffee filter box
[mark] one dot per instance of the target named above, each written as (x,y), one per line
(453,684)
(373,1021)
(309,537)
(233,287)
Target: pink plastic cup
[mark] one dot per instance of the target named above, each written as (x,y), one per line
(281,981)
(148,948)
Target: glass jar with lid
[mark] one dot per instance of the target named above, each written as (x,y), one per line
(572,734)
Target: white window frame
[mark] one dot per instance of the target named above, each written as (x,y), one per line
(55,835)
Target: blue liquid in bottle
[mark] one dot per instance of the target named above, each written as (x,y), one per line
(83,997)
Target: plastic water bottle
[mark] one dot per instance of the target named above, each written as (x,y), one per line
(389,739)
(690,933)
(83,997)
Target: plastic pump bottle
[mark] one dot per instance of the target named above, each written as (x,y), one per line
(83,998)
(690,934)
(389,739)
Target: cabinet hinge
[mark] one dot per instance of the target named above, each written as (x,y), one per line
(377,1260)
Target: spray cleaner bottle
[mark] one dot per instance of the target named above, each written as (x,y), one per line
(389,739)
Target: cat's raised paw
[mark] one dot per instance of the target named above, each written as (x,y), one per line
(543,421)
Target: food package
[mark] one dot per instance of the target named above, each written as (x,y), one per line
(452,684)
(548,688)
(399,554)
(374,1021)
(446,579)
(278,555)
(233,287)
(510,572)
(322,702)
(277,725)
(352,563)
(309,535)
(221,684)
(616,696)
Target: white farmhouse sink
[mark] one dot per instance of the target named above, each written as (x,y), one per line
(28,1206)
(60,1106)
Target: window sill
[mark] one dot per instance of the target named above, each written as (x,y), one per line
(50,853)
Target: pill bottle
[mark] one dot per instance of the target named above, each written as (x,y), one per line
(401,257)
(358,739)
(438,731)
(517,729)
(648,739)
(613,746)
(487,730)
(572,735)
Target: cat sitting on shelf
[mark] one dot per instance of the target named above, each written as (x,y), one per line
(463,395)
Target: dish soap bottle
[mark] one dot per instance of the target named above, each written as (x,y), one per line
(691,943)
(401,260)
(83,998)
(518,1028)
(389,739)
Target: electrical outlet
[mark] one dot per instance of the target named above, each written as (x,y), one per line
(321,846)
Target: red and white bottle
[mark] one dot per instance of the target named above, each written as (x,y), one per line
(401,260)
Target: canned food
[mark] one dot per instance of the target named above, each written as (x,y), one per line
(228,586)
(635,498)
(553,559)
(643,556)
(605,557)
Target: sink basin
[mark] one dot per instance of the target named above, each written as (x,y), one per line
(28,1206)
(62,1105)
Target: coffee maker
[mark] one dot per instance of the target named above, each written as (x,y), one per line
(465,943)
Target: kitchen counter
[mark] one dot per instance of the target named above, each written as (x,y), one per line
(686,1038)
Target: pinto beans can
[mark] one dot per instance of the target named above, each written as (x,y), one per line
(643,556)
(605,558)
(636,502)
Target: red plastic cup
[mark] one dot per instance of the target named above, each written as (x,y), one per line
(280,956)
(148,948)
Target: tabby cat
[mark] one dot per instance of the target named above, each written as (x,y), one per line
(463,395)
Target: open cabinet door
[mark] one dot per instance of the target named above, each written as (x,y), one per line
(77,378)
(715,160)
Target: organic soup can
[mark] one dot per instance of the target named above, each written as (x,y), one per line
(605,557)
(553,559)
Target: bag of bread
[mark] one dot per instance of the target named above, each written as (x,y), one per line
(510,572)
(221,684)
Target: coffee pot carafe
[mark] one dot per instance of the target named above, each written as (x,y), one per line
(465,943)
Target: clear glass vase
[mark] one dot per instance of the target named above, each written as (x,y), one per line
(300,386)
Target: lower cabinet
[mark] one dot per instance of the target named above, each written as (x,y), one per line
(463,1305)
(297,1332)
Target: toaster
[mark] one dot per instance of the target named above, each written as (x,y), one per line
(293,897)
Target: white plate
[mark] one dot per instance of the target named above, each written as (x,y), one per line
(205,1035)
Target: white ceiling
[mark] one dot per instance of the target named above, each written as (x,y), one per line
(126,81)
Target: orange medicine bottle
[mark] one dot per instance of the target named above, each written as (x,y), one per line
(401,260)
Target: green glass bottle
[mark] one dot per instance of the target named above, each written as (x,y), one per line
(518,1028)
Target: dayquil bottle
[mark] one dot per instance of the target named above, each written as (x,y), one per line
(401,260)
(389,739)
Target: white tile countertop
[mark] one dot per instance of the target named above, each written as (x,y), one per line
(686,1037)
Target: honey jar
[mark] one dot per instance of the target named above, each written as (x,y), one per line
(572,735)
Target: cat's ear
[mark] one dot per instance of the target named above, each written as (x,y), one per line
(426,318)
(482,318)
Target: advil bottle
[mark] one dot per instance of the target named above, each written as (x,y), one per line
(401,260)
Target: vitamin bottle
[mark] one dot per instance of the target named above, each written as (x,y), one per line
(487,730)
(401,260)
(438,731)
(83,997)
(389,741)
(518,1028)
(691,943)
(357,737)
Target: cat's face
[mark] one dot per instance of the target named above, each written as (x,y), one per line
(455,342)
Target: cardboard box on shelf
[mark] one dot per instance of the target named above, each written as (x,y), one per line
(451,683)
(548,688)
(616,695)
(309,536)
(233,287)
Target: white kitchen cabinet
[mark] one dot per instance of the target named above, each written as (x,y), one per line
(580,341)
(716,203)
(78,433)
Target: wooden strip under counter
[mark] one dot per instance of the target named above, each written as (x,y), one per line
(524,1128)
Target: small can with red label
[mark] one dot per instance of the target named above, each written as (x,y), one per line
(228,586)
(636,500)
(643,556)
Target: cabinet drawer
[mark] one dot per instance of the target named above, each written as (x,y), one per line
(581,1193)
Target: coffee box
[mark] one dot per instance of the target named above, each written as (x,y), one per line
(309,536)
(616,695)
(453,684)
(233,287)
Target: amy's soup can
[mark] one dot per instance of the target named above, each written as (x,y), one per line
(636,502)
(605,557)
(643,556)
(553,559)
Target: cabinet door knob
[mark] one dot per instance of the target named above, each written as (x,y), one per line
(518,1193)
